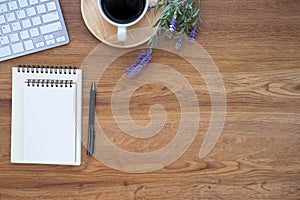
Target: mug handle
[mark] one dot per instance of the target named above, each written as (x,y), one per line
(122,33)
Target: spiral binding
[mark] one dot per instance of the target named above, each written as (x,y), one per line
(49,83)
(46,69)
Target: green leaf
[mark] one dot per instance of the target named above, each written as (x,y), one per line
(157,23)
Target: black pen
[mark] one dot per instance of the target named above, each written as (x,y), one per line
(91,133)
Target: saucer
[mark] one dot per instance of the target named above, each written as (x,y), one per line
(137,34)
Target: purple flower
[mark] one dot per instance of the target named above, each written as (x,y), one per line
(137,61)
(142,60)
(193,35)
(179,43)
(150,7)
(173,26)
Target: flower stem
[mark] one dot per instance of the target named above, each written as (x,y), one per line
(198,4)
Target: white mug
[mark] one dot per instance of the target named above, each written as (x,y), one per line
(122,27)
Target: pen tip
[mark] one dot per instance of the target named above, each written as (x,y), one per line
(93,86)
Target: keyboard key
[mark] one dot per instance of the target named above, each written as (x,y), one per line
(21,14)
(28,45)
(44,0)
(6,29)
(17,48)
(34,32)
(50,17)
(39,44)
(41,9)
(10,17)
(24,35)
(30,11)
(23,3)
(5,51)
(51,6)
(33,2)
(2,19)
(61,39)
(3,8)
(49,42)
(50,28)
(36,20)
(49,37)
(16,26)
(4,40)
(26,23)
(14,37)
(13,5)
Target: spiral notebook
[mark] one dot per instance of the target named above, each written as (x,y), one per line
(46,115)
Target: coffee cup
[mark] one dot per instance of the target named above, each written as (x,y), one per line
(123,13)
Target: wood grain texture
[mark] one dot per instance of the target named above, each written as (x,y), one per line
(256,45)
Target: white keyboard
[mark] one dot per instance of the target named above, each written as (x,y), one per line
(28,26)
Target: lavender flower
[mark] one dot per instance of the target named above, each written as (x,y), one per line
(193,35)
(173,26)
(178,17)
(150,7)
(143,59)
(179,43)
(136,62)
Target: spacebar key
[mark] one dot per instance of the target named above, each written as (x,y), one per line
(51,28)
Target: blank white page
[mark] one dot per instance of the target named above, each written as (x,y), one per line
(49,124)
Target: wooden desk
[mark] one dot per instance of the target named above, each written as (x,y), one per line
(255,44)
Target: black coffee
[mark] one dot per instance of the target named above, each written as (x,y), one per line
(123,11)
